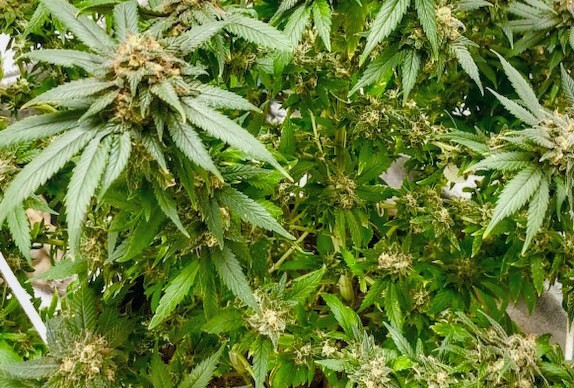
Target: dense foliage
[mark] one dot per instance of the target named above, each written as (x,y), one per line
(213,238)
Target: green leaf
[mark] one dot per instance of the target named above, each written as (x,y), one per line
(388,18)
(392,306)
(426,11)
(212,217)
(160,376)
(126,19)
(142,236)
(189,142)
(411,66)
(567,84)
(40,368)
(177,289)
(66,58)
(347,318)
(83,184)
(262,350)
(196,36)
(217,98)
(537,212)
(517,110)
(257,32)
(387,61)
(100,104)
(221,127)
(166,92)
(522,88)
(120,151)
(231,274)
(504,161)
(224,321)
(167,205)
(400,341)
(297,24)
(80,25)
(83,305)
(38,127)
(303,286)
(43,167)
(537,270)
(322,19)
(20,230)
(467,63)
(333,364)
(249,210)
(202,374)
(63,269)
(71,92)
(515,194)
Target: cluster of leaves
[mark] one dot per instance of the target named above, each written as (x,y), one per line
(231,242)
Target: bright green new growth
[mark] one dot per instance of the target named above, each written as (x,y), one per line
(141,91)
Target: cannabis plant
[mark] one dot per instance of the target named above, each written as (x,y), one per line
(139,87)
(285,194)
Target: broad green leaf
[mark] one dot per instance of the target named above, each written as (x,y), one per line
(38,127)
(167,205)
(177,289)
(400,341)
(212,217)
(231,274)
(333,364)
(160,376)
(522,88)
(258,32)
(100,104)
(515,194)
(387,61)
(537,270)
(567,84)
(217,98)
(467,63)
(470,140)
(20,230)
(221,127)
(224,321)
(504,161)
(71,92)
(297,24)
(142,236)
(426,11)
(410,66)
(285,5)
(67,58)
(303,286)
(126,19)
(347,318)
(80,25)
(249,210)
(322,19)
(202,374)
(82,187)
(166,92)
(189,142)
(197,36)
(83,305)
(41,368)
(64,269)
(43,167)
(262,349)
(120,151)
(537,212)
(517,110)
(392,306)
(388,18)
